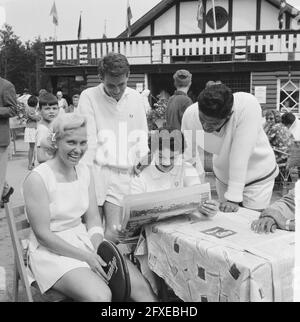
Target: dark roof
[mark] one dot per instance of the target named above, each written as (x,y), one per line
(165,5)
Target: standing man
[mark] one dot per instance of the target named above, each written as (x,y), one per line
(244,163)
(62,103)
(117,134)
(8,108)
(179,102)
(117,140)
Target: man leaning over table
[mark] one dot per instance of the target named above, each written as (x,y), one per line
(243,162)
(117,136)
(281,214)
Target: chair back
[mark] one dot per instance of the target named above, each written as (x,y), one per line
(16,229)
(19,230)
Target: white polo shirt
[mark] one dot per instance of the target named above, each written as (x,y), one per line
(117,130)
(151,179)
(117,134)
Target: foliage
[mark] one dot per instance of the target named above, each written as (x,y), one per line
(21,113)
(21,63)
(157,115)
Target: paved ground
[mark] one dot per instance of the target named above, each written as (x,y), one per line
(17,170)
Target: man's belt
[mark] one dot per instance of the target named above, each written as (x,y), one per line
(263,178)
(255,181)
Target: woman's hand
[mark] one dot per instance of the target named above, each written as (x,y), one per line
(229,206)
(96,263)
(264,225)
(209,208)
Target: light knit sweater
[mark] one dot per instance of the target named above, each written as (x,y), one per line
(242,152)
(117,131)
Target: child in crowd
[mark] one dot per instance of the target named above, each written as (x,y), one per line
(166,168)
(48,107)
(31,126)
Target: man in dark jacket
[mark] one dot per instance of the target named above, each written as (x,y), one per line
(179,102)
(8,108)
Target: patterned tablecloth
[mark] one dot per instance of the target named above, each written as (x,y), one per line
(221,259)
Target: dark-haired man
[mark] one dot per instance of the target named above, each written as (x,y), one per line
(179,101)
(244,162)
(117,139)
(116,123)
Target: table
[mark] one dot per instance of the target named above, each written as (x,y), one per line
(221,259)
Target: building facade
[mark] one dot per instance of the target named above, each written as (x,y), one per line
(242,46)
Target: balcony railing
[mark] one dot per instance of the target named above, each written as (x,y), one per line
(222,47)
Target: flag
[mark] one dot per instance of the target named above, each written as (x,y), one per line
(200,13)
(283,8)
(79,28)
(129,17)
(53,13)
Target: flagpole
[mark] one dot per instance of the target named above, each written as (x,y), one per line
(78,38)
(214,14)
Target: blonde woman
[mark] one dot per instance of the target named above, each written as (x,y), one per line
(58,193)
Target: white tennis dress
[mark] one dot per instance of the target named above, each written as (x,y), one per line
(68,202)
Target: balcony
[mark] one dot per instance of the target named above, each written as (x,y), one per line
(263,46)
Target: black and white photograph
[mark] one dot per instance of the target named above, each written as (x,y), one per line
(149,153)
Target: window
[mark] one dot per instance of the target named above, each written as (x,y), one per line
(221,17)
(289,95)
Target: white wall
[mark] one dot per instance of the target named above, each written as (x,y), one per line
(244,15)
(188,23)
(244,18)
(145,32)
(269,17)
(221,3)
(165,24)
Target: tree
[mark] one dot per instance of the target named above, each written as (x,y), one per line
(21,63)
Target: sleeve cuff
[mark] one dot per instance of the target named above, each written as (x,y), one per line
(234,192)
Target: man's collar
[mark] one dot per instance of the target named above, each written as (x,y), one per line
(156,174)
(101,86)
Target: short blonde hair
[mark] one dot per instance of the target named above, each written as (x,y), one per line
(59,127)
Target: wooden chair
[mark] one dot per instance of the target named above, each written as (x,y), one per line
(19,233)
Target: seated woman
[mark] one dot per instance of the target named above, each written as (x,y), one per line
(281,214)
(62,251)
(278,135)
(57,193)
(165,167)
